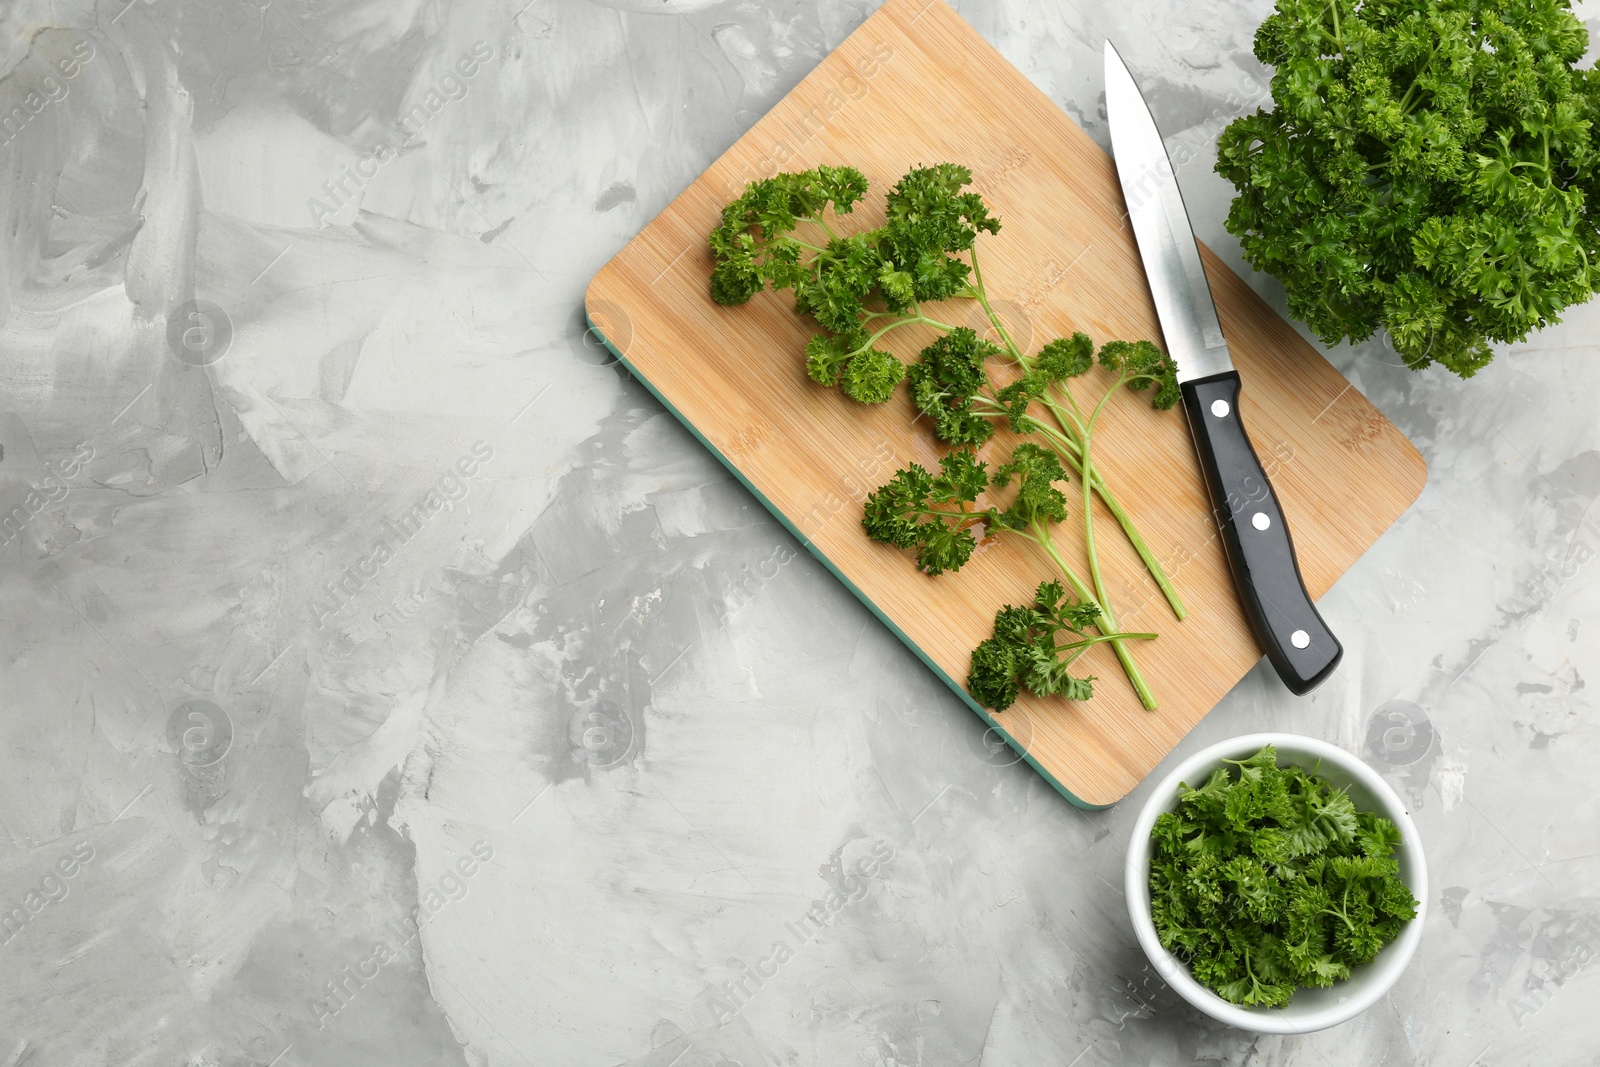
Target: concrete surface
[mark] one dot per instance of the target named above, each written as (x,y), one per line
(387,680)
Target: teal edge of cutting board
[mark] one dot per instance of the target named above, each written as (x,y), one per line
(955,687)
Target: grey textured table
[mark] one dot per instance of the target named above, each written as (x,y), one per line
(388,680)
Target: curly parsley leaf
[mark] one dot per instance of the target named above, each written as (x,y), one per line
(912,258)
(1140,365)
(755,243)
(1065,357)
(935,513)
(903,511)
(1024,654)
(1035,469)
(946,378)
(870,376)
(929,220)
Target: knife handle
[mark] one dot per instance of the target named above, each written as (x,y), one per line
(1260,550)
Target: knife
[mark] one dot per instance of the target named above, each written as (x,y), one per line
(1259,549)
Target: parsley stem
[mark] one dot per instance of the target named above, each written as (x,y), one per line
(1071,445)
(1095,414)
(1069,448)
(1340,912)
(1406,106)
(1066,448)
(1071,422)
(909,320)
(982,296)
(1088,514)
(1107,624)
(1087,441)
(823,222)
(1099,639)
(972,518)
(1078,648)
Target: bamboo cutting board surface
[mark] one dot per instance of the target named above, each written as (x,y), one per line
(917,85)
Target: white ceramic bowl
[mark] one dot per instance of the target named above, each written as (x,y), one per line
(1310,1009)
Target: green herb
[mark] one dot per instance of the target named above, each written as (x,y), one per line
(862,286)
(903,512)
(1266,879)
(910,259)
(1023,653)
(1428,167)
(934,514)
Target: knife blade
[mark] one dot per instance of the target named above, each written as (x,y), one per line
(1255,537)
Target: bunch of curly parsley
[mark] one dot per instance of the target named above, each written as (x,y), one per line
(859,287)
(1428,168)
(1266,879)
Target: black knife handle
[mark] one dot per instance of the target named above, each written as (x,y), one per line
(1260,550)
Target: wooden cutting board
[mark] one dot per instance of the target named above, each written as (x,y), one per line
(917,85)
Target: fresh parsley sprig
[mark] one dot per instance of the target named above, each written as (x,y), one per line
(907,261)
(938,516)
(1024,653)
